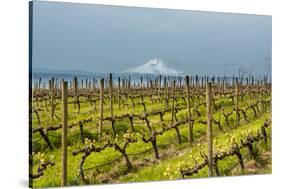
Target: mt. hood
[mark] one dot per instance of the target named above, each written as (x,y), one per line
(154,66)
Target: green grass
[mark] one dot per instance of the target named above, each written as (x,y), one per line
(169,169)
(173,155)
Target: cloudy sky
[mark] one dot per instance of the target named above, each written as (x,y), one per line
(97,38)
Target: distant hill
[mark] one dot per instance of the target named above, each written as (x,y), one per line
(153,67)
(67,72)
(68,75)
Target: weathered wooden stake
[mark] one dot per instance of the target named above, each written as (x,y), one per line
(39,83)
(123,85)
(209,128)
(94,84)
(110,94)
(173,101)
(119,92)
(190,133)
(64,133)
(101,107)
(75,83)
(111,103)
(159,86)
(129,84)
(236,102)
(165,92)
(173,111)
(51,93)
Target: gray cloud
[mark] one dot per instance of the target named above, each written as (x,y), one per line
(111,39)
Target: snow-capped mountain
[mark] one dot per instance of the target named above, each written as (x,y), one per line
(154,66)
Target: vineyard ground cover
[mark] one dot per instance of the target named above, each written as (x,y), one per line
(169,168)
(123,125)
(152,169)
(147,167)
(88,111)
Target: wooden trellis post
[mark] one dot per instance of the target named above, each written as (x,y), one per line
(129,84)
(94,84)
(190,133)
(209,127)
(165,92)
(101,107)
(39,83)
(159,86)
(173,110)
(119,92)
(110,94)
(236,102)
(173,101)
(147,82)
(64,133)
(51,92)
(111,103)
(75,83)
